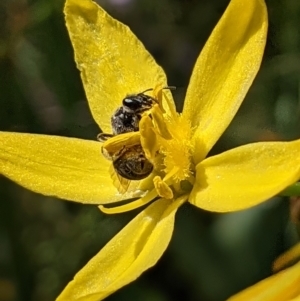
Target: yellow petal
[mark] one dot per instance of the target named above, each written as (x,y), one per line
(280,287)
(245,176)
(225,70)
(112,61)
(132,251)
(68,168)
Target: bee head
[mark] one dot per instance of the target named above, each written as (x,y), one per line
(137,103)
(141,102)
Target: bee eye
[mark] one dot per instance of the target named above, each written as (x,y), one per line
(131,103)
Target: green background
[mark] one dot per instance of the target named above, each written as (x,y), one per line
(44,241)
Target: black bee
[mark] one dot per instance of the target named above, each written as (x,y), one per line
(127,117)
(130,163)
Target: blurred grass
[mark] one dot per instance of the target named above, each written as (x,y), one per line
(44,241)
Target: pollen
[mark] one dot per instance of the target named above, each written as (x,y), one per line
(177,150)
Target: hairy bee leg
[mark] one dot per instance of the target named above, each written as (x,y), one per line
(102,137)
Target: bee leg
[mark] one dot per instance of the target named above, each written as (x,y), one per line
(104,137)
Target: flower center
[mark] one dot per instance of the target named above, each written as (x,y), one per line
(167,141)
(166,138)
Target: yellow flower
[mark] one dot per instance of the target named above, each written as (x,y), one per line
(283,286)
(114,63)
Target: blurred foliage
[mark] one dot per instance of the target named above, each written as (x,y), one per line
(44,241)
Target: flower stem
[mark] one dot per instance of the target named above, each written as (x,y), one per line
(292,190)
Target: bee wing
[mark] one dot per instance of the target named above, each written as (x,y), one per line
(119,182)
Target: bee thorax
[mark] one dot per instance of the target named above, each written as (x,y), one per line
(123,121)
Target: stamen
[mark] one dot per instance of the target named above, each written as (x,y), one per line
(148,138)
(162,188)
(114,144)
(177,187)
(132,205)
(160,123)
(158,94)
(170,174)
(170,105)
(177,150)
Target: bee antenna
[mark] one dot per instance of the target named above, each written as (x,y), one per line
(169,88)
(150,89)
(165,88)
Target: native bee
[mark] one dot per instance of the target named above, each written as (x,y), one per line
(130,162)
(127,117)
